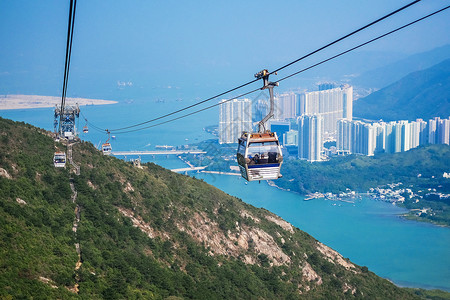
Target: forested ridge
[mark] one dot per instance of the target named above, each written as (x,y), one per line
(148,233)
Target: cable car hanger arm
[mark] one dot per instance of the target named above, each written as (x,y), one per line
(264,75)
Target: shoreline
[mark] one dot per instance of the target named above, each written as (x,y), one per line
(317,195)
(11,102)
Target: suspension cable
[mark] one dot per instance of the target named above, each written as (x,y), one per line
(346,36)
(293,74)
(283,67)
(70,26)
(365,43)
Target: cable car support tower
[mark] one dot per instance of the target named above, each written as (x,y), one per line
(67,116)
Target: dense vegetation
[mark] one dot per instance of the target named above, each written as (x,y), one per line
(165,257)
(422,94)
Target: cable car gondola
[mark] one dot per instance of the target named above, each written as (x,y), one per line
(259,153)
(59,159)
(85,128)
(106,147)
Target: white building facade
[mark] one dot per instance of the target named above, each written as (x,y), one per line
(396,136)
(310,132)
(332,104)
(286,106)
(235,117)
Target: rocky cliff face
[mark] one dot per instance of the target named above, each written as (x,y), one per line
(150,233)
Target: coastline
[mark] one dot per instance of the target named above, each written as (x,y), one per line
(317,195)
(10,102)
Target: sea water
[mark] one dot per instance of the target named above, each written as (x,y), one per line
(368,232)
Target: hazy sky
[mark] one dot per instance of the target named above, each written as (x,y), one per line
(208,45)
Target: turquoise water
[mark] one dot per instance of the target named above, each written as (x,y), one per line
(368,232)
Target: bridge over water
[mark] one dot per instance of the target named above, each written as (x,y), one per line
(188,169)
(157,152)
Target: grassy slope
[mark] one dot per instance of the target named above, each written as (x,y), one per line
(119,260)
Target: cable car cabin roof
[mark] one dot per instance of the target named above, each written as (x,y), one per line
(259,137)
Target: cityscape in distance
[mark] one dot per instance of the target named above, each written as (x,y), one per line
(317,125)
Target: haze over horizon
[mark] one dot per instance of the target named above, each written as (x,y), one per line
(174,50)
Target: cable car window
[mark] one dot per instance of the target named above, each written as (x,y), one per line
(241,148)
(263,153)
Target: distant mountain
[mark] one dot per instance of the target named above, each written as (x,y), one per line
(423,94)
(121,232)
(385,75)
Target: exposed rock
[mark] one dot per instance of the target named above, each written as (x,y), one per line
(246,214)
(347,287)
(20,201)
(282,223)
(128,188)
(206,231)
(310,275)
(91,185)
(335,257)
(48,281)
(4,173)
(142,225)
(138,222)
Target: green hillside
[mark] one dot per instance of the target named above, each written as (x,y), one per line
(148,233)
(423,94)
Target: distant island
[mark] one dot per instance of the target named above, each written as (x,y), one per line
(36,101)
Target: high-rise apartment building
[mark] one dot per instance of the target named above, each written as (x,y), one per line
(396,136)
(433,131)
(443,131)
(286,106)
(332,104)
(344,136)
(310,143)
(419,134)
(423,132)
(235,117)
(260,109)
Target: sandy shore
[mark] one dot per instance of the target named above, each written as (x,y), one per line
(35,101)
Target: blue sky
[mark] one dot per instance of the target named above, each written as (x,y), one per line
(206,46)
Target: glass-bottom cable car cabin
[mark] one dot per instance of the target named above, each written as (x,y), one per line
(259,156)
(59,159)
